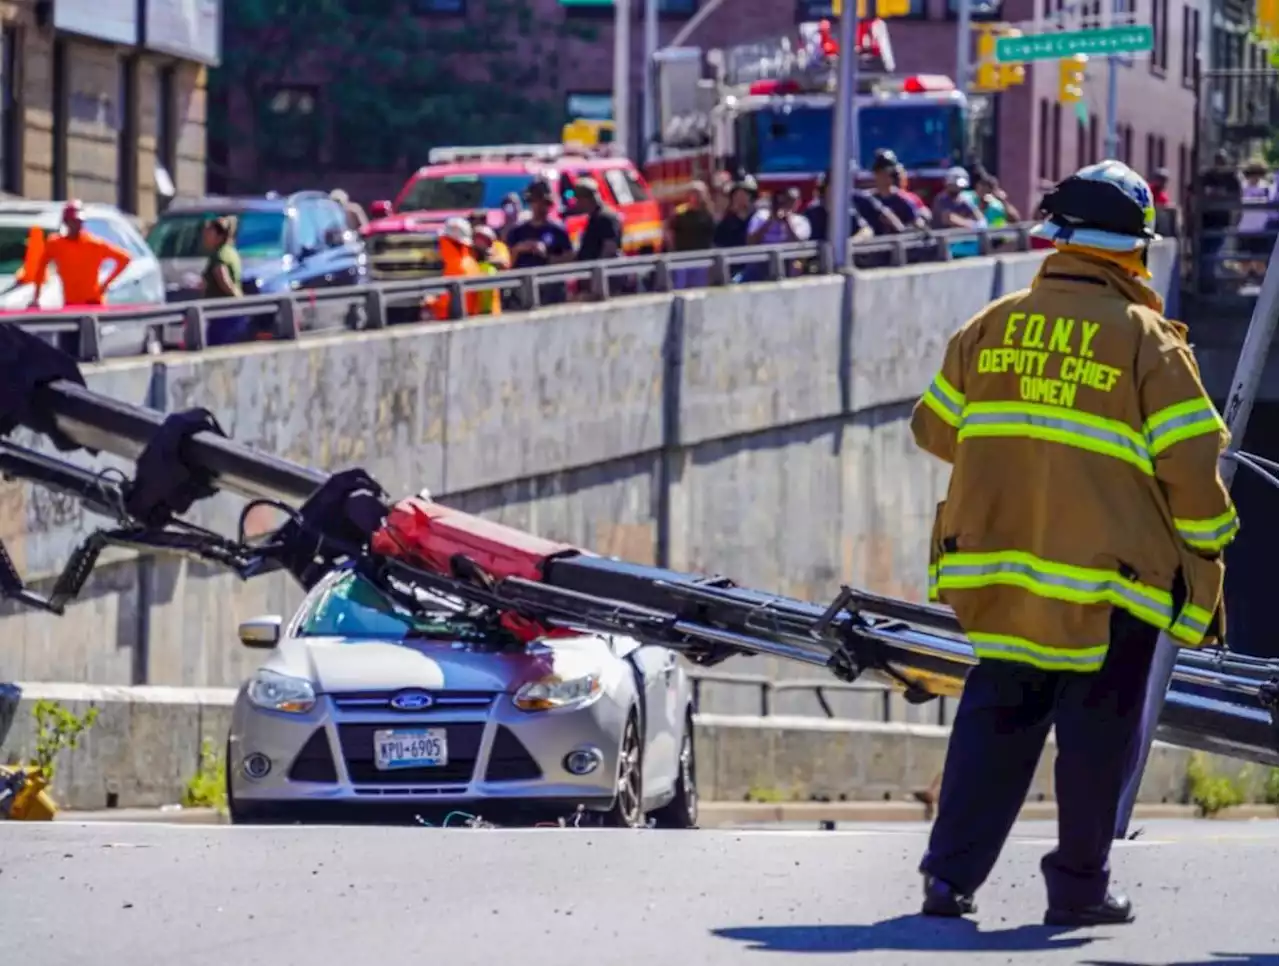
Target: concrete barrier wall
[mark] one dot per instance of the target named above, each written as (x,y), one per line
(758,431)
(146,745)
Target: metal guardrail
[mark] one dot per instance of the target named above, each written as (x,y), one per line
(372,305)
(820,688)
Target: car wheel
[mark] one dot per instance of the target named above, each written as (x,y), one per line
(628,802)
(682,810)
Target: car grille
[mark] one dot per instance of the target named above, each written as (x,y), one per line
(315,761)
(510,761)
(403,256)
(357,751)
(441,701)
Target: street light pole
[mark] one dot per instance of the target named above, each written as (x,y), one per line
(622,76)
(964,13)
(650,80)
(844,135)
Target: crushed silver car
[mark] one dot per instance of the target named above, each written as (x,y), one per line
(364,708)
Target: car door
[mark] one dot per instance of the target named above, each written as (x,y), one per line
(664,719)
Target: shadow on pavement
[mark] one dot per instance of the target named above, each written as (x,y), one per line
(1220,959)
(911,933)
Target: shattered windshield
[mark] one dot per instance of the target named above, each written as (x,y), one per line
(354,607)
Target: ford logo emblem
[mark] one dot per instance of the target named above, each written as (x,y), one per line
(412,701)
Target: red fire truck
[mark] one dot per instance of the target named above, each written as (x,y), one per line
(768,109)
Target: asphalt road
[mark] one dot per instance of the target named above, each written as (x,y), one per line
(134,895)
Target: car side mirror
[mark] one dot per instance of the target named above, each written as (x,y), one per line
(380,209)
(261,632)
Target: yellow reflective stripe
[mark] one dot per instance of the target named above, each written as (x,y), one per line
(944,400)
(1212,534)
(933,582)
(1045,578)
(1005,647)
(1191,625)
(1057,424)
(1183,420)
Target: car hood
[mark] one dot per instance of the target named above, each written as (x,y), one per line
(411,222)
(336,664)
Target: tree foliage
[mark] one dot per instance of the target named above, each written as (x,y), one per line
(391,85)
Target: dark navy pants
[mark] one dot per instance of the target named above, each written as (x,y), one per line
(997,738)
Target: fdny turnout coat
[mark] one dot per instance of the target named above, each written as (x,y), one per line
(1085,471)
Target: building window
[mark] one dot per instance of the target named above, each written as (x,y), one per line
(289,126)
(1124,146)
(1093,137)
(1184,174)
(1044,139)
(10,113)
(1190,45)
(1082,145)
(60,106)
(1155,153)
(1160,38)
(127,137)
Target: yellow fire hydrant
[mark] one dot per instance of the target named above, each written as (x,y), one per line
(23,795)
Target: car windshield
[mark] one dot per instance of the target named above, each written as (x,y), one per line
(461,192)
(259,234)
(354,607)
(13,248)
(922,136)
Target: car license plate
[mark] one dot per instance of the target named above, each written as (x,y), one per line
(410,748)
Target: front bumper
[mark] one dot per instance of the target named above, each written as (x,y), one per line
(496,754)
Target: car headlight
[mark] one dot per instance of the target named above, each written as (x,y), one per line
(281,692)
(554,692)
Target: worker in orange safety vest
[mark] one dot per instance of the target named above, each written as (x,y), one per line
(457,254)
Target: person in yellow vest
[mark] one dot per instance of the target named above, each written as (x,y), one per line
(493,257)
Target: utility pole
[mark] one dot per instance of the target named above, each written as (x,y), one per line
(622,76)
(844,135)
(650,80)
(964,14)
(1113,89)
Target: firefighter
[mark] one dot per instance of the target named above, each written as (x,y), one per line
(1085,514)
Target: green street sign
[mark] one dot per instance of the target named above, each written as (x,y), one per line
(1134,39)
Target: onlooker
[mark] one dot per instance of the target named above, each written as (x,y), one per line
(950,208)
(866,215)
(731,230)
(536,241)
(602,234)
(691,228)
(993,203)
(1256,229)
(1218,186)
(779,223)
(356,218)
(511,212)
(1159,185)
(221,279)
(906,207)
(78,256)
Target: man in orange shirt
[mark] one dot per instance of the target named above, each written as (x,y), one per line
(457,246)
(78,256)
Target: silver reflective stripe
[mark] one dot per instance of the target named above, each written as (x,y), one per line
(1050,579)
(1062,425)
(1207,415)
(947,403)
(1193,535)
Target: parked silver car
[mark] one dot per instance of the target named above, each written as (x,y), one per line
(363,709)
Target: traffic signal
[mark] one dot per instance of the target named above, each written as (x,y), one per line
(991,75)
(893,8)
(1071,78)
(1268,19)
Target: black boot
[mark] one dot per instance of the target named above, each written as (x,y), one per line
(1113,910)
(942,899)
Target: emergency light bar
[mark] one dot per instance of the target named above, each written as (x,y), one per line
(533,587)
(495,152)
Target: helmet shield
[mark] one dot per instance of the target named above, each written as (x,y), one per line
(1107,206)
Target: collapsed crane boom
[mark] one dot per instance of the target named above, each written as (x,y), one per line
(535,587)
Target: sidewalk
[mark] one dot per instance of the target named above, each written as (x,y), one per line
(731,814)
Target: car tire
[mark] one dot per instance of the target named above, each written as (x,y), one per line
(627,810)
(682,810)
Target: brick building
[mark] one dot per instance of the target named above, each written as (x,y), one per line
(1036,139)
(104,100)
